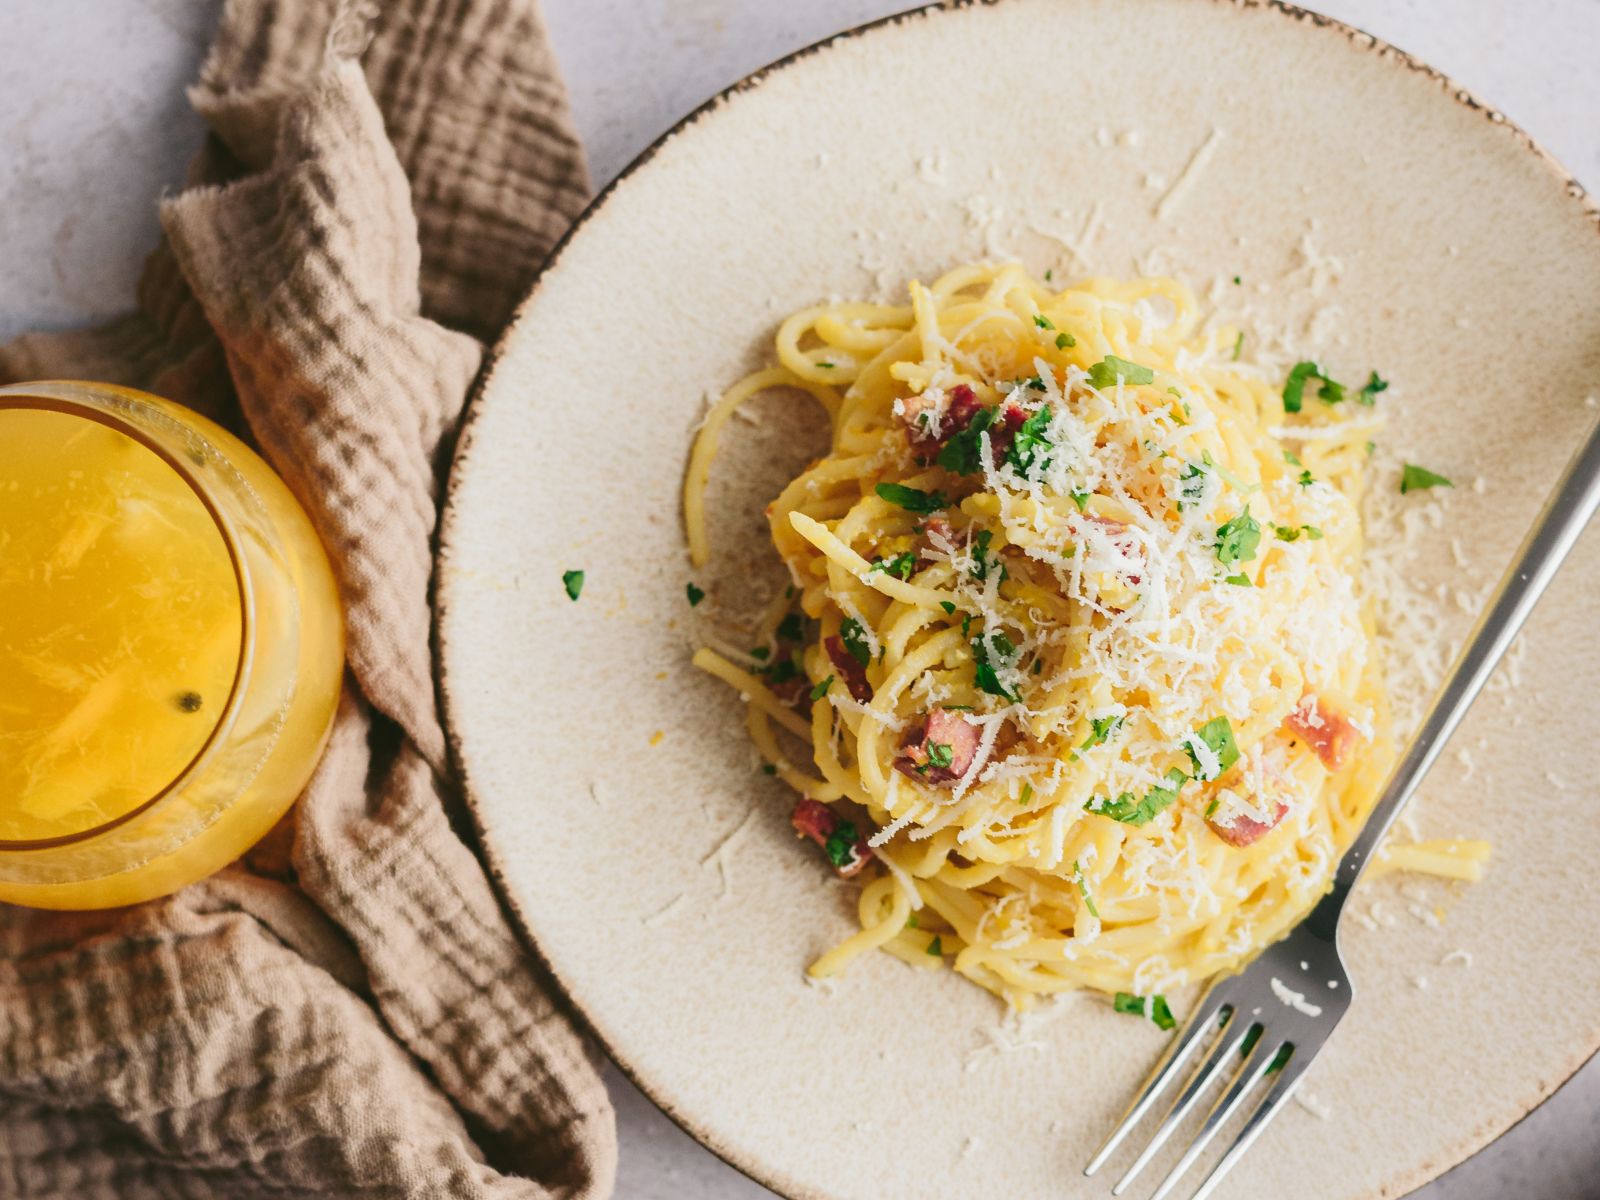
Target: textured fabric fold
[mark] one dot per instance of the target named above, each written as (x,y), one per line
(348,1010)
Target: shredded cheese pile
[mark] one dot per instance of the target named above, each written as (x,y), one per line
(1077,604)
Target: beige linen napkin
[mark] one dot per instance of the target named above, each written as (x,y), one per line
(348,1013)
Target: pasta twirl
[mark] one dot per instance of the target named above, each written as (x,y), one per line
(1081,627)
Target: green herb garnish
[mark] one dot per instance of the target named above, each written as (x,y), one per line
(1154,1007)
(1414,478)
(940,754)
(1293,533)
(901,565)
(947,606)
(769,769)
(1217,734)
(1239,580)
(1331,392)
(841,844)
(963,453)
(821,690)
(854,638)
(1081,499)
(936,948)
(573,582)
(1237,539)
(1102,727)
(981,563)
(1083,889)
(790,629)
(1042,321)
(1368,394)
(1238,345)
(1140,812)
(695,595)
(1104,374)
(909,498)
(1029,453)
(189,702)
(1065,341)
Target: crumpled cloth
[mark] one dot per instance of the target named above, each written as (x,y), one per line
(348,1011)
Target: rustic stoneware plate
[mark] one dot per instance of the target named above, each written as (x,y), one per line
(604,771)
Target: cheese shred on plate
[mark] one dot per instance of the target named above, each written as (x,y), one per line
(1077,644)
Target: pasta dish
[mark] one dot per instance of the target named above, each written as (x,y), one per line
(1076,666)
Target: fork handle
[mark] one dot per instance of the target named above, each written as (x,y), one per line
(1560,522)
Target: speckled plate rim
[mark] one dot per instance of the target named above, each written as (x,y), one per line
(658,1093)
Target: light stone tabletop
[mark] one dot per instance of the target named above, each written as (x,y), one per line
(94,126)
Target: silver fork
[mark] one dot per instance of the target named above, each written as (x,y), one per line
(1275,1015)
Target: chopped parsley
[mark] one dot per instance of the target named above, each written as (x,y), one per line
(909,498)
(1414,479)
(573,582)
(1081,499)
(1065,341)
(1083,889)
(962,454)
(936,948)
(854,638)
(981,562)
(1236,279)
(695,595)
(901,565)
(1104,374)
(1289,456)
(1331,391)
(1154,1007)
(1368,394)
(1027,794)
(1238,345)
(1029,453)
(781,671)
(983,670)
(841,844)
(791,629)
(1049,271)
(1192,485)
(940,754)
(948,607)
(821,690)
(1237,539)
(769,769)
(1293,533)
(1141,812)
(1102,728)
(1042,321)
(1239,580)
(827,366)
(761,652)
(1217,734)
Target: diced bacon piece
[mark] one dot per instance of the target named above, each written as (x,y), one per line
(940,749)
(815,820)
(927,429)
(1324,728)
(1244,829)
(851,671)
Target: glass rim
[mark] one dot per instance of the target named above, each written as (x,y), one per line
(22,396)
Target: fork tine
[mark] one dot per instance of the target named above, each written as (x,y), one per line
(1280,1091)
(1248,1074)
(1201,1022)
(1222,1053)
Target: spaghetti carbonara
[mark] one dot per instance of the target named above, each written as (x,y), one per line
(1076,644)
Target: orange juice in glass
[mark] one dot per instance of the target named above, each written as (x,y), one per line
(171,646)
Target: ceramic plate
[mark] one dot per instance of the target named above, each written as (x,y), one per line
(605,772)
